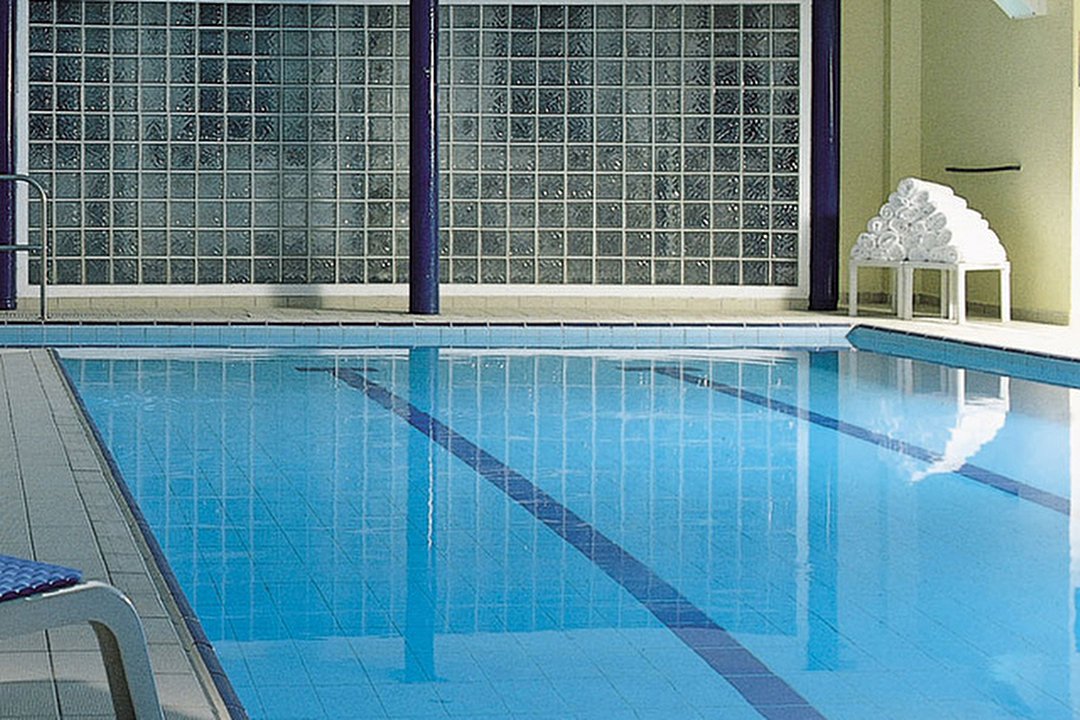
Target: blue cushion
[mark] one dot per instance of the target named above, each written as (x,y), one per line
(19,578)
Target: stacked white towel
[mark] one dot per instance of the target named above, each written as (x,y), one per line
(927,222)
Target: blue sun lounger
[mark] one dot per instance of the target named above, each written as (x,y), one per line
(37,596)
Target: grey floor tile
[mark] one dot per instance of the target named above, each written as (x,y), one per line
(79,666)
(81,698)
(27,700)
(25,667)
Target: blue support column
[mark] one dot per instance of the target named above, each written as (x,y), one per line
(7,152)
(825,156)
(423,158)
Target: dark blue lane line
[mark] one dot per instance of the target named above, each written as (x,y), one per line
(979,474)
(767,692)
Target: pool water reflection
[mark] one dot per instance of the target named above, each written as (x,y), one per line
(501,533)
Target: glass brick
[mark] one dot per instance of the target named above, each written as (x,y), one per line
(755,159)
(785,245)
(667,215)
(522,215)
(68,127)
(667,44)
(786,131)
(638,187)
(785,273)
(523,44)
(726,215)
(638,158)
(522,72)
(550,271)
(755,215)
(785,217)
(755,272)
(785,44)
(68,156)
(638,272)
(785,73)
(785,16)
(524,17)
(494,157)
(522,271)
(667,130)
(638,215)
(522,242)
(609,214)
(579,215)
(551,243)
(667,187)
(786,187)
(609,243)
(725,272)
(785,159)
(580,158)
(696,244)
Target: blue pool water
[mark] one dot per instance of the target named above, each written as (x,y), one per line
(780,533)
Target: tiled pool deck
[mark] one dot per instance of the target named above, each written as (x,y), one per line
(58,502)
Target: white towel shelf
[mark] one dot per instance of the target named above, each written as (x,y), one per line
(953,286)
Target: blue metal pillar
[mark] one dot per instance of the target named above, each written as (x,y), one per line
(7,151)
(423,158)
(825,156)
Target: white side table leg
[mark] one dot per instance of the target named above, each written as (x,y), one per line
(853,290)
(1006,294)
(943,295)
(960,294)
(906,279)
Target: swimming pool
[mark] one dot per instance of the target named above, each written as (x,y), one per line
(777,531)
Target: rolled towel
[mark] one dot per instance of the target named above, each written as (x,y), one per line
(910,214)
(889,247)
(906,188)
(919,253)
(968,253)
(861,252)
(867,239)
(910,186)
(875,225)
(894,252)
(926,211)
(966,220)
(899,226)
(936,222)
(887,212)
(946,202)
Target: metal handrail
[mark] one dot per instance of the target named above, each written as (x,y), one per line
(43,249)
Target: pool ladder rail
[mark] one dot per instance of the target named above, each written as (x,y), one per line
(42,249)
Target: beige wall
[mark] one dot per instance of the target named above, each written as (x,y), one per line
(880,132)
(956,82)
(995,91)
(862,118)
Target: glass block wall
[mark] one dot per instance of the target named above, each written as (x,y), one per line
(231,143)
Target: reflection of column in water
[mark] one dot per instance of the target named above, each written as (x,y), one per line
(420,530)
(823,650)
(1074,541)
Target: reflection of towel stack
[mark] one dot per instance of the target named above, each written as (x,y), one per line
(926,222)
